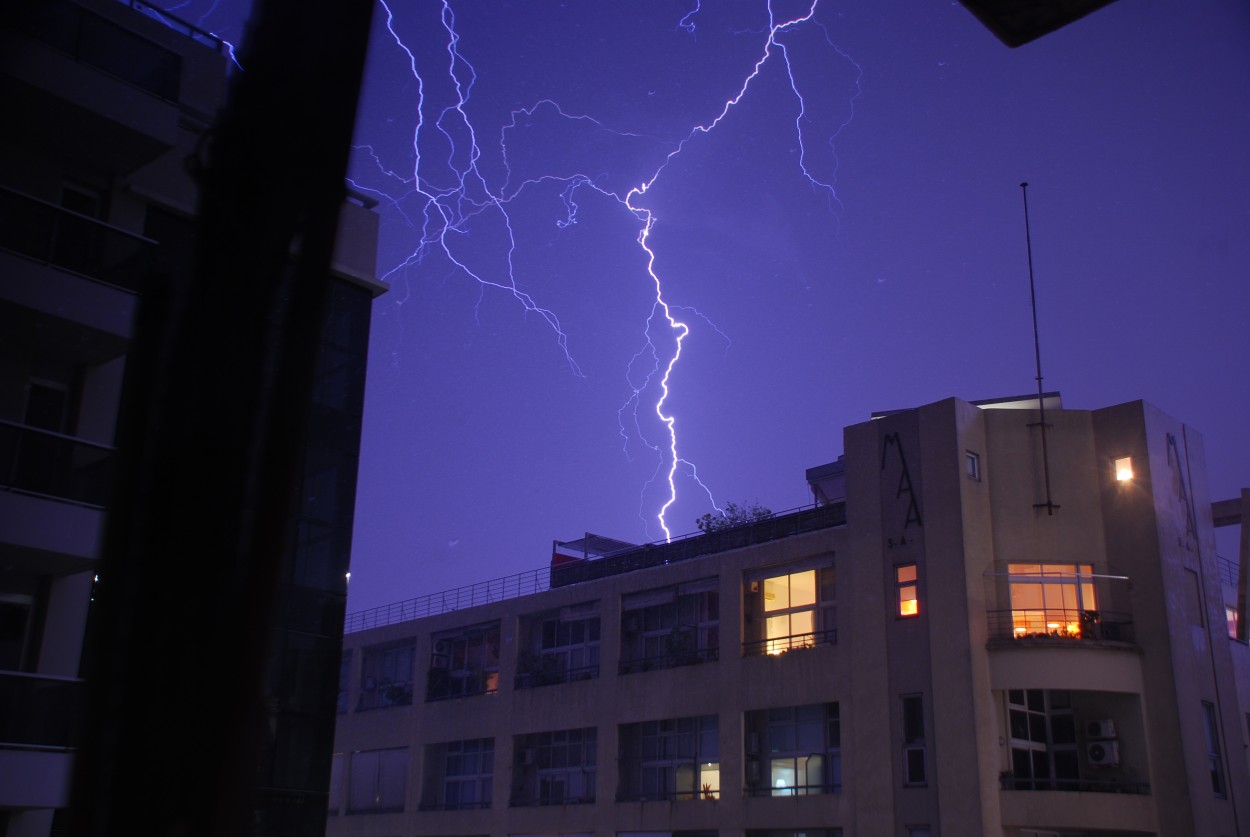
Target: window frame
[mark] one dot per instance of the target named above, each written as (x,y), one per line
(907,591)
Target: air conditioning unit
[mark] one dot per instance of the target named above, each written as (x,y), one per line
(442,647)
(1103,753)
(1100,729)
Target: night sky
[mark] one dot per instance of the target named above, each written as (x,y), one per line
(847,237)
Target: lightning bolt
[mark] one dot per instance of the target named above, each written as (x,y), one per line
(449,202)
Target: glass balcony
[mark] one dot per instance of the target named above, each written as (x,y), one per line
(48,233)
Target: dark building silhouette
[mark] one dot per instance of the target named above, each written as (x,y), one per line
(105,104)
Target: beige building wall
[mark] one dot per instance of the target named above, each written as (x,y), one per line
(1116,685)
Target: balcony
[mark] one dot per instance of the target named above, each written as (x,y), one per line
(784,645)
(1104,785)
(54,465)
(53,235)
(688,657)
(1059,626)
(543,672)
(40,711)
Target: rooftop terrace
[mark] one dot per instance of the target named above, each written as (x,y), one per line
(695,545)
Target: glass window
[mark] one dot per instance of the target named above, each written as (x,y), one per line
(671,626)
(677,758)
(555,768)
(378,780)
(913,740)
(1052,600)
(464,662)
(800,750)
(789,611)
(385,675)
(905,580)
(1215,762)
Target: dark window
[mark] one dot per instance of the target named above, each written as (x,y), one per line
(794,750)
(555,768)
(672,626)
(913,740)
(677,758)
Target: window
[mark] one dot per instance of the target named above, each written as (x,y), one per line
(1215,762)
(905,578)
(336,783)
(789,611)
(972,465)
(459,775)
(794,750)
(464,662)
(671,626)
(913,740)
(554,768)
(378,780)
(1053,600)
(678,758)
(795,832)
(345,675)
(1043,740)
(386,675)
(559,646)
(1124,468)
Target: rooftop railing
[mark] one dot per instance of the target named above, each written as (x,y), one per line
(55,465)
(694,545)
(54,235)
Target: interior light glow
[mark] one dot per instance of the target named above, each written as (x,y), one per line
(1124,468)
(908,607)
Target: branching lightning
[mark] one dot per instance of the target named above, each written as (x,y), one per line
(449,200)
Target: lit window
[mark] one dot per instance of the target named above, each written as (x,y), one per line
(972,465)
(1124,468)
(905,580)
(1053,600)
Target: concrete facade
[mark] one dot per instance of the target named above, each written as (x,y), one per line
(946,644)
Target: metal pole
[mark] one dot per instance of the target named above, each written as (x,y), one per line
(1037,354)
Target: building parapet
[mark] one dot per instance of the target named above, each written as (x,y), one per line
(527,583)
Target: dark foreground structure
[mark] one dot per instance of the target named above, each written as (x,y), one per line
(183,329)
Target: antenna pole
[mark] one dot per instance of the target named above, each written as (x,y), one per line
(1037,355)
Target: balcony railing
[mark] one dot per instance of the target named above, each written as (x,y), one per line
(793,790)
(444,684)
(785,644)
(691,657)
(54,465)
(55,235)
(1059,625)
(177,24)
(105,45)
(39,710)
(542,676)
(532,801)
(1028,783)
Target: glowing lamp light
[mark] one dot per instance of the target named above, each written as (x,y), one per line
(908,607)
(1124,469)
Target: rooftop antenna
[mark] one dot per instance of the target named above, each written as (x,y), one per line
(1049,505)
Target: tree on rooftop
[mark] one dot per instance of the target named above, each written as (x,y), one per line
(732,515)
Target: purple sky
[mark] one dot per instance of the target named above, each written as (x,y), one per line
(895,276)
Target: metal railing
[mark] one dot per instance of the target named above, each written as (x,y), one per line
(106,45)
(694,545)
(554,676)
(177,24)
(793,790)
(692,657)
(1228,570)
(39,710)
(54,235)
(1029,783)
(444,684)
(55,465)
(785,644)
(1061,625)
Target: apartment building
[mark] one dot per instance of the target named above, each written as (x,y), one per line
(971,632)
(105,102)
